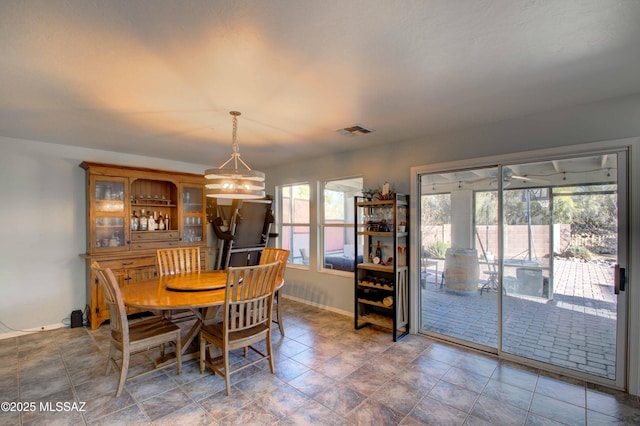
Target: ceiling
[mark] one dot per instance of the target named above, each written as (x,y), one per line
(159,77)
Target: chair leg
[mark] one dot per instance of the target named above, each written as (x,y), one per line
(112,354)
(279,314)
(124,369)
(227,378)
(272,363)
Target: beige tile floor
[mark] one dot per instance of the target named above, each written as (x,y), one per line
(327,373)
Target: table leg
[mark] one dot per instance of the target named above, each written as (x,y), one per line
(189,352)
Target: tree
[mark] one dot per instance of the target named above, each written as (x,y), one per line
(436,209)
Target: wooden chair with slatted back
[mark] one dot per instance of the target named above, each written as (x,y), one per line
(129,338)
(178,260)
(174,261)
(270,255)
(247,315)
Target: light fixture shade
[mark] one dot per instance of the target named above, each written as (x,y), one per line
(233,183)
(235,194)
(235,187)
(221,173)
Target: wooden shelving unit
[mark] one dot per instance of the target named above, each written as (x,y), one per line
(382,277)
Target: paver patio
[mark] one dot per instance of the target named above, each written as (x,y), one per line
(576,329)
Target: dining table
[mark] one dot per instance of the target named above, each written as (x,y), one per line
(203,293)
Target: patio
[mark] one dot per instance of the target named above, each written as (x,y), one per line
(575,329)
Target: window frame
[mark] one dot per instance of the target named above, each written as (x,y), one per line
(291,223)
(348,224)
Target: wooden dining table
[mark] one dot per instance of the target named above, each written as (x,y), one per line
(200,292)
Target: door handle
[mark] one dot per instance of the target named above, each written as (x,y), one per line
(620,279)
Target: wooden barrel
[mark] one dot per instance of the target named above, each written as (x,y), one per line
(461,271)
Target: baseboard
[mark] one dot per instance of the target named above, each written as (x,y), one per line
(318,305)
(42,329)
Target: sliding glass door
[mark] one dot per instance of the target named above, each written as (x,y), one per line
(523,260)
(458,231)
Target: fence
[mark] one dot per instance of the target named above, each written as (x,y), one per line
(516,238)
(600,244)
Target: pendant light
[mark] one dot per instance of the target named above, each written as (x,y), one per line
(228,180)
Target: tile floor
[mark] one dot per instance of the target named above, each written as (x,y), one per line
(328,373)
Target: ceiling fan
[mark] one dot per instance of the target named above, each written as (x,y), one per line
(508,176)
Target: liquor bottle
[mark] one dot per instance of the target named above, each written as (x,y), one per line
(152,222)
(135,221)
(166,221)
(160,222)
(144,221)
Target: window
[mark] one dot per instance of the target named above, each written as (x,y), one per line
(338,223)
(294,220)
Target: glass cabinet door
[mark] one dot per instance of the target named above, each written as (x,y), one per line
(108,214)
(193,215)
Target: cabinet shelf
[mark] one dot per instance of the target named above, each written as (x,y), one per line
(374,286)
(375,267)
(152,202)
(374,303)
(378,203)
(376,233)
(157,205)
(379,320)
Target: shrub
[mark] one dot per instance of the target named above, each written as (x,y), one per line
(438,249)
(577,251)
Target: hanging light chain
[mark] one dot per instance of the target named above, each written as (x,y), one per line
(225,182)
(234,135)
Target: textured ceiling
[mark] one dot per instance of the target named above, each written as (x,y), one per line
(159,77)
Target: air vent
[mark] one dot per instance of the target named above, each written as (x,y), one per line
(354,130)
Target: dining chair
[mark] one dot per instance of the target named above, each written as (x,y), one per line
(178,260)
(129,338)
(246,320)
(270,255)
(174,261)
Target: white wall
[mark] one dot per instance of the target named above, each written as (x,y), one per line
(42,226)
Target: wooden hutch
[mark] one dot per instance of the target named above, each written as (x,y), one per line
(115,196)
